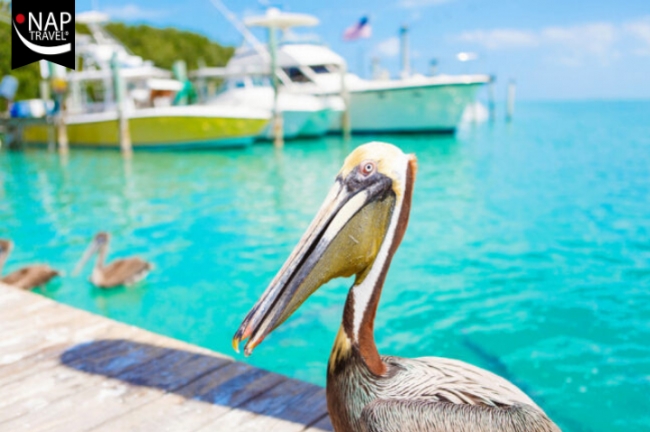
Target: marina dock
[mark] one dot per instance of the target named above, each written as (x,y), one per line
(64,369)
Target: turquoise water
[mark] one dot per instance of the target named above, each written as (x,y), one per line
(528,250)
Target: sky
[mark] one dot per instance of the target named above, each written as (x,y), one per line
(553,49)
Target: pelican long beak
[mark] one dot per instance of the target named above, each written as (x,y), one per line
(342,240)
(90,250)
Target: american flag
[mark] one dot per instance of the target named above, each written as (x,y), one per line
(360,30)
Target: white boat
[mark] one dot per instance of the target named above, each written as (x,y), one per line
(303,115)
(410,104)
(92,116)
(414,104)
(250,84)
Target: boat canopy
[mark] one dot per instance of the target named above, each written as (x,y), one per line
(289,55)
(282,20)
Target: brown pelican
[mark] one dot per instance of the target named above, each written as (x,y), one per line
(125,271)
(356,232)
(28,277)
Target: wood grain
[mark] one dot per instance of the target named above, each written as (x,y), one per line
(63,369)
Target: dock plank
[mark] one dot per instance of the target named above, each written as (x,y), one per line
(41,348)
(211,396)
(284,407)
(62,369)
(52,387)
(179,370)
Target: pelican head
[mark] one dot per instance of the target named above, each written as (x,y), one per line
(6,246)
(102,238)
(99,241)
(362,220)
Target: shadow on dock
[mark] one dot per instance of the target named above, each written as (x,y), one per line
(204,378)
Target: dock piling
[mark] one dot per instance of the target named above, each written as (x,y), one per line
(51,134)
(62,132)
(278,134)
(346,127)
(44,91)
(510,108)
(491,102)
(124,134)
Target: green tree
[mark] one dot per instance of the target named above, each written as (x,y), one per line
(28,76)
(165,46)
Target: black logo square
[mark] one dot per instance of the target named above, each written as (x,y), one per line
(42,30)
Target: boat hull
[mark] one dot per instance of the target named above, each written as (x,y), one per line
(292,124)
(154,132)
(303,115)
(317,124)
(417,109)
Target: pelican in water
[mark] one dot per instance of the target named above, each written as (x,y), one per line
(125,271)
(356,233)
(26,278)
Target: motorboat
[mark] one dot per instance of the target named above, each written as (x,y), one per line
(253,84)
(93,109)
(303,115)
(408,104)
(416,103)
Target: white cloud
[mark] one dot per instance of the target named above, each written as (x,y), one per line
(596,39)
(388,47)
(133,12)
(640,31)
(500,38)
(413,4)
(569,45)
(416,15)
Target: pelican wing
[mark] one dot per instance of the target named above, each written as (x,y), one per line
(413,415)
(446,380)
(30,277)
(434,394)
(125,271)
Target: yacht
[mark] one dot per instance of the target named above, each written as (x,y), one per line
(409,104)
(251,84)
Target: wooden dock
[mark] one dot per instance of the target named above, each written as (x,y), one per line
(63,369)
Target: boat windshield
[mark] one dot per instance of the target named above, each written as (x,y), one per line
(324,69)
(296,75)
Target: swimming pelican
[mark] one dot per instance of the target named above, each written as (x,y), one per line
(26,278)
(356,232)
(125,271)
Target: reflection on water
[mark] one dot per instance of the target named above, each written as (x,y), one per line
(528,249)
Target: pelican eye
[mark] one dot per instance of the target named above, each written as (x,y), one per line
(367,168)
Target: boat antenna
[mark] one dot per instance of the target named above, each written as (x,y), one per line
(241,28)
